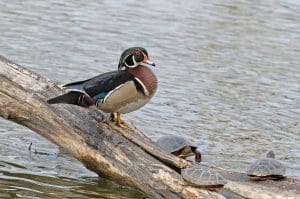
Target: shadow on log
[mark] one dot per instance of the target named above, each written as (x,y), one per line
(124,155)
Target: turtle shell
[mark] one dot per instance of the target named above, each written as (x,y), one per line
(173,143)
(203,177)
(266,167)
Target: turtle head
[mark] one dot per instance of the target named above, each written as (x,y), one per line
(133,57)
(197,155)
(270,154)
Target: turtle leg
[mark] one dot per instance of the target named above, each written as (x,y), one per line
(197,156)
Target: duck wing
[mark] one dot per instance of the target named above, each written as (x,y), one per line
(97,87)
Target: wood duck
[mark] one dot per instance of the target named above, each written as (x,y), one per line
(122,91)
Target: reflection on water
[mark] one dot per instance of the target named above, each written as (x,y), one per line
(24,173)
(228,79)
(32,186)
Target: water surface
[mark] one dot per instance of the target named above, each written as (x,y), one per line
(229,79)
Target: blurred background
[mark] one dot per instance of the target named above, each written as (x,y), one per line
(228,71)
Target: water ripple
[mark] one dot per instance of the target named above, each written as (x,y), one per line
(228,77)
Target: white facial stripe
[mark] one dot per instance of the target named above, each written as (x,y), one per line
(134,62)
(144,87)
(124,62)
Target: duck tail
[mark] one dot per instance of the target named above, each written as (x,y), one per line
(73,97)
(68,98)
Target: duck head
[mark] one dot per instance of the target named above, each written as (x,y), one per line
(133,57)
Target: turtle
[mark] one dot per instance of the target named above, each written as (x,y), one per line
(203,177)
(178,146)
(266,168)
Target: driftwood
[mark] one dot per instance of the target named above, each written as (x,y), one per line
(124,155)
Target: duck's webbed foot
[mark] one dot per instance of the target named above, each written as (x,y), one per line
(117,119)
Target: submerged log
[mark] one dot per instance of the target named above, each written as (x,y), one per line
(124,155)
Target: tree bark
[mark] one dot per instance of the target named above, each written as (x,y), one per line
(124,155)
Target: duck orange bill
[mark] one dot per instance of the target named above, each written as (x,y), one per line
(147,61)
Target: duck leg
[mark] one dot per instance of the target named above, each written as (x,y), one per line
(119,121)
(112,117)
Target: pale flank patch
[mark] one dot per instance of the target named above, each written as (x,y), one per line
(123,99)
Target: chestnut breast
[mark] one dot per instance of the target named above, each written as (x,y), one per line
(146,76)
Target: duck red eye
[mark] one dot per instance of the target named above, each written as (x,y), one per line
(137,53)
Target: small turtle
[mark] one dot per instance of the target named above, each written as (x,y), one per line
(203,177)
(266,168)
(178,146)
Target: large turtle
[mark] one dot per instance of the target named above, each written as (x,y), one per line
(178,146)
(203,177)
(266,168)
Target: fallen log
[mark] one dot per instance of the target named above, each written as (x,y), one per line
(124,155)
